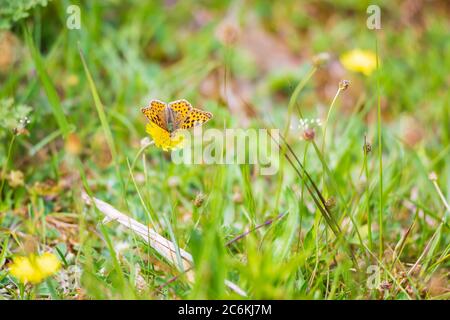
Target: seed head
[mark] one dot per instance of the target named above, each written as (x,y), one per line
(367,147)
(385,285)
(320,59)
(21,127)
(309,134)
(228,32)
(330,203)
(343,84)
(237,197)
(433,176)
(199,199)
(173,181)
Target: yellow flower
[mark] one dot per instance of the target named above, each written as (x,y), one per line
(364,61)
(163,138)
(34,268)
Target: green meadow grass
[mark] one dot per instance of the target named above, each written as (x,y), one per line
(311,231)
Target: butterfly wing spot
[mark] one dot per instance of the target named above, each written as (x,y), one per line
(181,109)
(155,113)
(195,118)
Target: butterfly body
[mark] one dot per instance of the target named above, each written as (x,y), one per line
(170,119)
(176,115)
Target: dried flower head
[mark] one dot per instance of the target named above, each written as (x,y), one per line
(367,147)
(199,199)
(21,127)
(433,176)
(330,203)
(385,285)
(309,134)
(343,85)
(320,59)
(228,32)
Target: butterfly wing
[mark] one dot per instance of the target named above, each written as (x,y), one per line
(195,118)
(186,117)
(155,113)
(181,109)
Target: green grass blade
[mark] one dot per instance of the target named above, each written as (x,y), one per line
(103,119)
(49,88)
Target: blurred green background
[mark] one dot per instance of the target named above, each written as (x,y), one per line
(240,60)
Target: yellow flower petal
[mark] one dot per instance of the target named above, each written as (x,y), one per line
(163,139)
(22,268)
(34,269)
(48,263)
(357,60)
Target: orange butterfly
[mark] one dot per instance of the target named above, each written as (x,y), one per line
(176,115)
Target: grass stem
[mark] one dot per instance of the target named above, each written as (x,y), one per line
(380,157)
(5,166)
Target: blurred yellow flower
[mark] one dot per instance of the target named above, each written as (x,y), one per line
(163,139)
(34,269)
(358,60)
(72,80)
(15,178)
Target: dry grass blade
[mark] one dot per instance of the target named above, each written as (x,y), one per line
(266,223)
(401,244)
(164,247)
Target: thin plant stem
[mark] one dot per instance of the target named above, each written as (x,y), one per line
(302,199)
(328,117)
(441,195)
(369,217)
(291,105)
(5,167)
(380,156)
(325,134)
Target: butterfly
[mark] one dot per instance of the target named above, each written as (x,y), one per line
(176,115)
